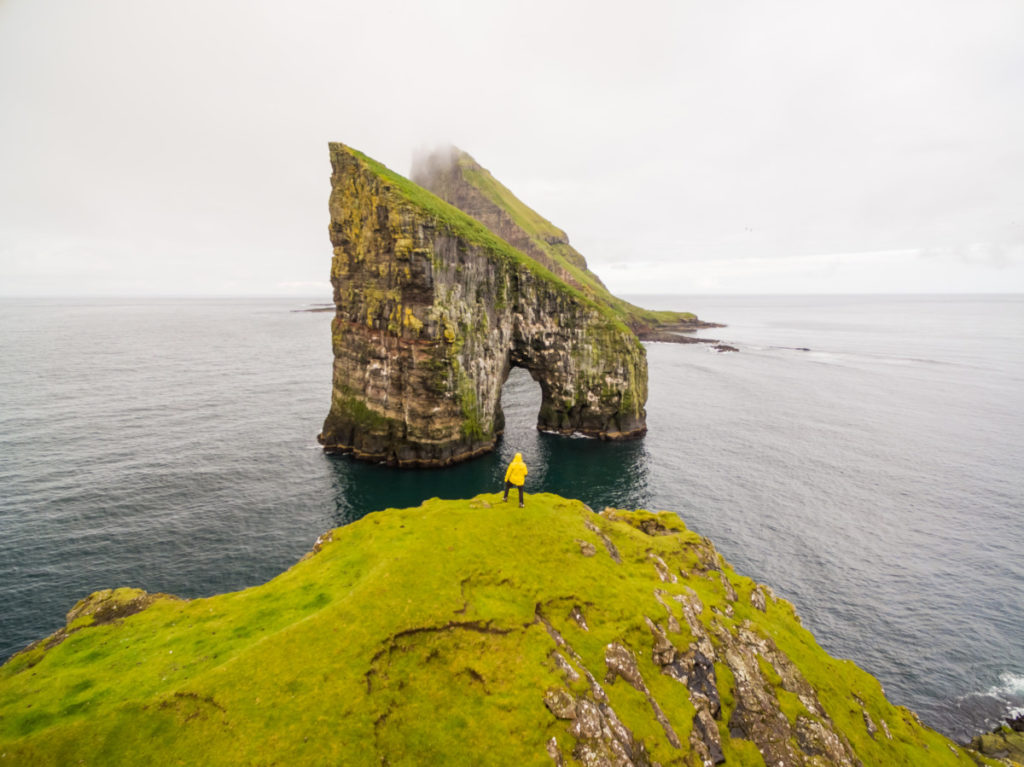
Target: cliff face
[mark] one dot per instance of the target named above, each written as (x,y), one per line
(457,178)
(433,309)
(461,633)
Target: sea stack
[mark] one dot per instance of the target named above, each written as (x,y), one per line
(432,311)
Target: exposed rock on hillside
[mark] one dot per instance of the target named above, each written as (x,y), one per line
(1004,742)
(432,311)
(464,633)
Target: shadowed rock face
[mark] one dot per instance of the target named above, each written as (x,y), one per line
(432,311)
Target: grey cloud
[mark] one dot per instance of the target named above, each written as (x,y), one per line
(662,133)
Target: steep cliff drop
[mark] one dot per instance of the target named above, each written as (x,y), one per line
(432,311)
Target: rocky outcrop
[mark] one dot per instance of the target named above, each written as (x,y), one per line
(97,609)
(432,311)
(1004,742)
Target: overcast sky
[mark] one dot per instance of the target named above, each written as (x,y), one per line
(686,147)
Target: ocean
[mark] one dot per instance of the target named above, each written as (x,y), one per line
(861,454)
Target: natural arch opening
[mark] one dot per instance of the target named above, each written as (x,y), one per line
(519,408)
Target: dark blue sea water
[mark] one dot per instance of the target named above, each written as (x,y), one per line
(875,480)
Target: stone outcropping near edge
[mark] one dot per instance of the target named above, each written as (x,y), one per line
(432,311)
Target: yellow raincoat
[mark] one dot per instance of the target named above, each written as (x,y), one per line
(516,472)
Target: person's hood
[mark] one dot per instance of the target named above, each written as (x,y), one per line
(519,457)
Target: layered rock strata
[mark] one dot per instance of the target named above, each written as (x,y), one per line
(433,310)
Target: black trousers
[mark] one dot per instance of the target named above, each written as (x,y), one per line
(509,486)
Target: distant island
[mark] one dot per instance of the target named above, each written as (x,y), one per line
(463,632)
(443,284)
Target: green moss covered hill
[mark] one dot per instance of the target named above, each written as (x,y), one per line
(460,633)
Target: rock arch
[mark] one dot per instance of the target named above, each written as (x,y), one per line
(432,309)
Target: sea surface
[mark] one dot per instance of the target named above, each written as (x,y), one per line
(862,455)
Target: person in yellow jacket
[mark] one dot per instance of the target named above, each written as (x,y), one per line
(515,476)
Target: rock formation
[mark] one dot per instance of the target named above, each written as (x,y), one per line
(1004,742)
(457,178)
(433,309)
(461,632)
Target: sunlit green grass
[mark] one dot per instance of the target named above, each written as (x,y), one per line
(411,636)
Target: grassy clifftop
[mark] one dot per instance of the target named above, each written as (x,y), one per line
(460,632)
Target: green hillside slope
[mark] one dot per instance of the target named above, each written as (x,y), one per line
(461,632)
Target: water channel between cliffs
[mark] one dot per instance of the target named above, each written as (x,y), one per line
(554,461)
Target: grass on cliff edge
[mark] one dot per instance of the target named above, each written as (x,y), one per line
(410,637)
(539,229)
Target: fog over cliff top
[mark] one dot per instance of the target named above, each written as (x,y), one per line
(684,147)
